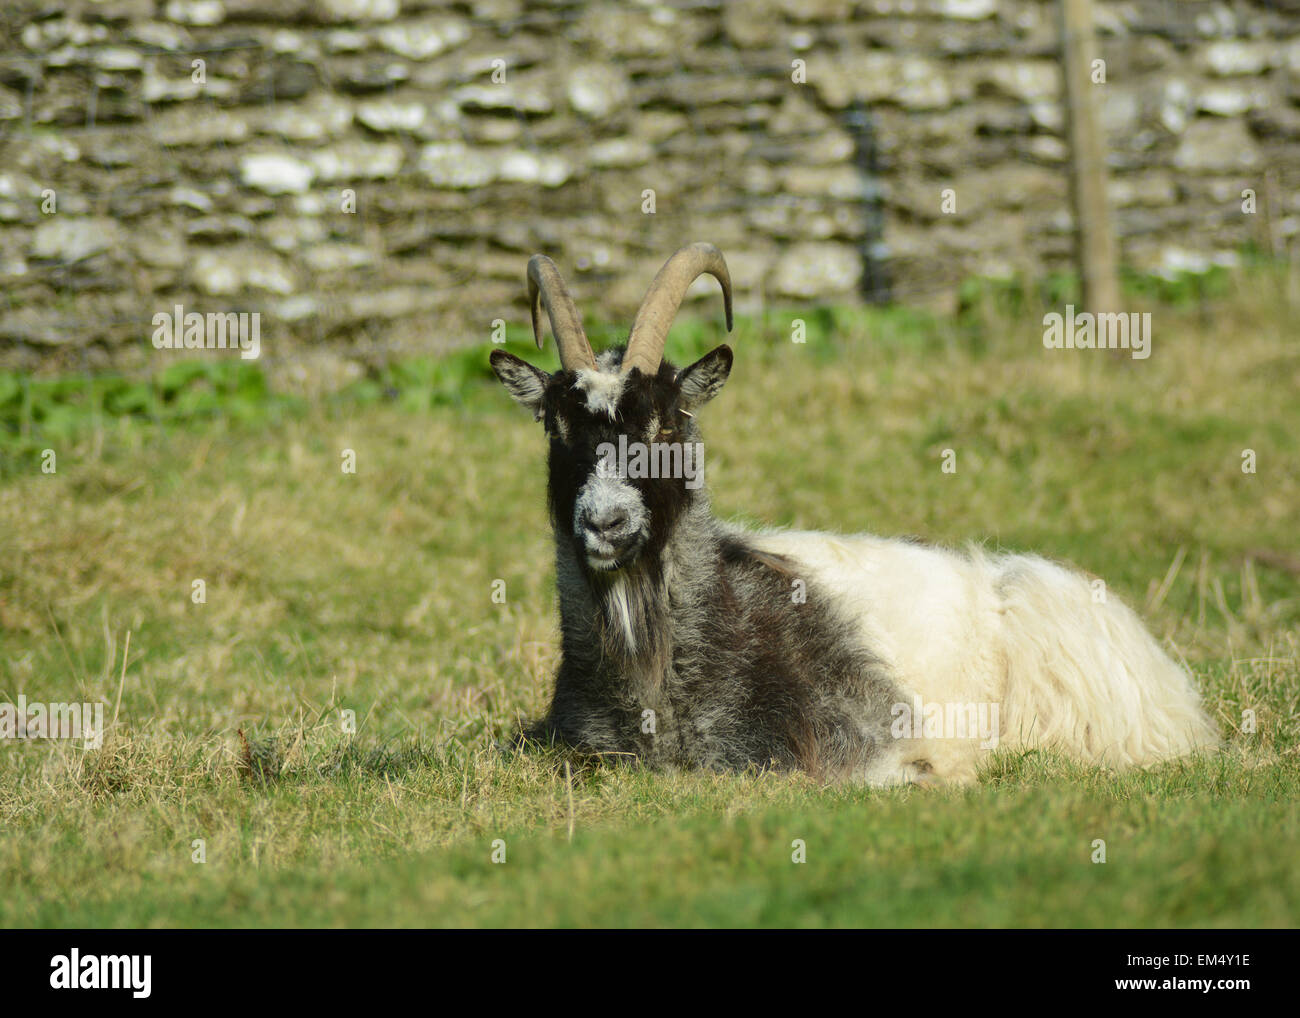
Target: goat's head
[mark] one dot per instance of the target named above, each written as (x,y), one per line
(625,456)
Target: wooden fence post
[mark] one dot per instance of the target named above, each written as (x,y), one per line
(1094,237)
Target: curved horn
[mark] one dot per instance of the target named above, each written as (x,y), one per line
(645,347)
(546,286)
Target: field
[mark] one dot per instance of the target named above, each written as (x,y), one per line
(328,592)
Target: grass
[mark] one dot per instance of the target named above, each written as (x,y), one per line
(333,596)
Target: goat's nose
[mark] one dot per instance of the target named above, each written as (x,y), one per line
(605,521)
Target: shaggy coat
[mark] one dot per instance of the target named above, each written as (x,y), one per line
(691,642)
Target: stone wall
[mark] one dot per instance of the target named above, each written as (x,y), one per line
(357,171)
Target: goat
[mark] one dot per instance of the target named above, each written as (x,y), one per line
(691,642)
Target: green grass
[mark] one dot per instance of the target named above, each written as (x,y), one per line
(372,593)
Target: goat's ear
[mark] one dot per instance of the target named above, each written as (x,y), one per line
(525,383)
(704,379)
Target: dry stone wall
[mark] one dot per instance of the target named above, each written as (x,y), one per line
(370,175)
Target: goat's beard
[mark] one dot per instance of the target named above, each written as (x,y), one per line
(628,600)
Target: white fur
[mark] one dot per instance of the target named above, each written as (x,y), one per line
(622,612)
(1084,678)
(602,389)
